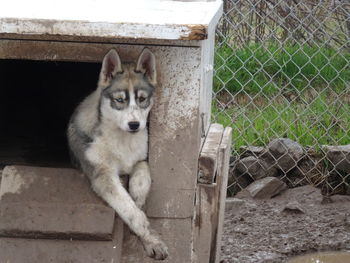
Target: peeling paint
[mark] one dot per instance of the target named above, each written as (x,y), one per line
(155,19)
(197,32)
(16,184)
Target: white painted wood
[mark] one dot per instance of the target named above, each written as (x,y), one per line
(207,67)
(151,19)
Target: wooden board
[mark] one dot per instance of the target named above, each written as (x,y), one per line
(223,168)
(59,204)
(207,164)
(210,206)
(53,203)
(153,19)
(20,250)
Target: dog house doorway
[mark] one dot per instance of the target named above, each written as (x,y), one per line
(37,100)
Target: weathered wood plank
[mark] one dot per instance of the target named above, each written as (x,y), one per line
(53,51)
(203,232)
(207,163)
(174,132)
(56,221)
(210,206)
(207,64)
(207,67)
(178,202)
(224,157)
(110,19)
(55,203)
(102,40)
(58,251)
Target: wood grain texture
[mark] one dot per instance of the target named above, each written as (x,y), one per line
(210,205)
(224,157)
(207,164)
(54,203)
(58,251)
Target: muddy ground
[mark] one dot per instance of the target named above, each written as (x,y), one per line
(297,222)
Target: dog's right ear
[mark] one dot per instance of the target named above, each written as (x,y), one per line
(111,65)
(146,64)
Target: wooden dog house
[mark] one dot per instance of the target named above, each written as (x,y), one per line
(50,56)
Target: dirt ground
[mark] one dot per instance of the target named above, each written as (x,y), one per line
(297,222)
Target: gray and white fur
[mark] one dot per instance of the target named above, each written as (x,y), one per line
(108,137)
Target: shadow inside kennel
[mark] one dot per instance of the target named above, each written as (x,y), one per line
(37,100)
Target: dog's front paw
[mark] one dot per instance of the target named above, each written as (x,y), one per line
(155,248)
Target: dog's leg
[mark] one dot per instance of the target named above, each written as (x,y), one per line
(108,186)
(140,183)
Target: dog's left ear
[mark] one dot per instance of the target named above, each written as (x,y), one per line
(147,65)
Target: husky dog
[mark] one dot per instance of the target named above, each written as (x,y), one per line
(107,136)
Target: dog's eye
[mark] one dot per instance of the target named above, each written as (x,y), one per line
(120,100)
(141,99)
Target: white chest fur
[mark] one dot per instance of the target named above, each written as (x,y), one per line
(118,150)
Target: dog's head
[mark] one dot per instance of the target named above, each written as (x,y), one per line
(126,90)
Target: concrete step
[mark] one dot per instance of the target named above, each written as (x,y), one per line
(38,203)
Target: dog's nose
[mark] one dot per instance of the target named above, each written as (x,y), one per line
(134,125)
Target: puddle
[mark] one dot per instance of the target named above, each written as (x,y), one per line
(324,257)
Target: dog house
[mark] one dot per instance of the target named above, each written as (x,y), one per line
(50,57)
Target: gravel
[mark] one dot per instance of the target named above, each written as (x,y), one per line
(268,231)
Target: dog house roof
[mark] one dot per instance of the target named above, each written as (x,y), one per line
(143,19)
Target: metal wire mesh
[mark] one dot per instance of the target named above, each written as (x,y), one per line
(282,82)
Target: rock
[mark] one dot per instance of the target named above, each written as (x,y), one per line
(243,194)
(339,156)
(340,198)
(232,160)
(285,153)
(294,207)
(237,181)
(251,150)
(255,168)
(307,194)
(233,204)
(266,188)
(310,170)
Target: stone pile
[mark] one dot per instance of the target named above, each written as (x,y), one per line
(327,168)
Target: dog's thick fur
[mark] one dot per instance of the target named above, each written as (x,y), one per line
(107,136)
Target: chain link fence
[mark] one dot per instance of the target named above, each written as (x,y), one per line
(282,82)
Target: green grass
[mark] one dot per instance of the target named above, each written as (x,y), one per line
(317,123)
(272,68)
(260,77)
